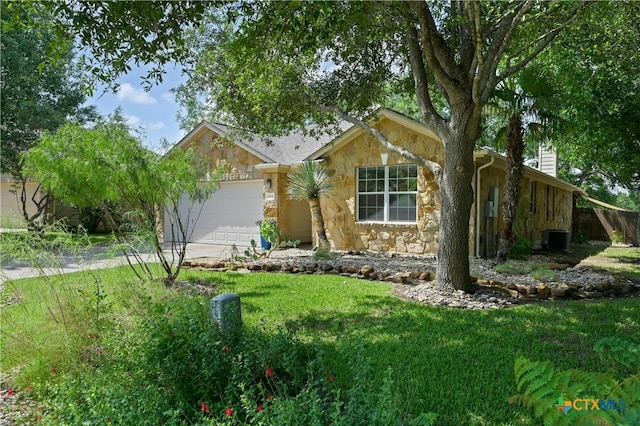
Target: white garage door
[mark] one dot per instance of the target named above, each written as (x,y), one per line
(228,217)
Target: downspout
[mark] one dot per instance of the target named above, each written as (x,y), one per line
(478,204)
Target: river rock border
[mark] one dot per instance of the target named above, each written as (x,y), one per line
(413,278)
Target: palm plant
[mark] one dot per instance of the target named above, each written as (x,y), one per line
(308,182)
(527,102)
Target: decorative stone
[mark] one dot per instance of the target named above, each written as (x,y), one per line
(543,289)
(366,271)
(351,269)
(557,266)
(383,274)
(532,290)
(425,276)
(603,285)
(558,292)
(398,278)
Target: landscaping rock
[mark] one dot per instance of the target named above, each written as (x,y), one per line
(366,271)
(495,290)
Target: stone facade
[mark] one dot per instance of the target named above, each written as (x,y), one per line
(237,163)
(339,211)
(545,204)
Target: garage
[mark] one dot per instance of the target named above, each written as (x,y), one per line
(228,217)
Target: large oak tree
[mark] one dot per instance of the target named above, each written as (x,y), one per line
(281,65)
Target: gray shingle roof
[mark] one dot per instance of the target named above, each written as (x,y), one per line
(288,149)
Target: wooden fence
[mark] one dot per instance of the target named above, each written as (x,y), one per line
(597,224)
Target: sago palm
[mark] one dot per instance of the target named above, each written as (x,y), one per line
(308,182)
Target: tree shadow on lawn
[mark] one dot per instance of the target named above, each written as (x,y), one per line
(459,363)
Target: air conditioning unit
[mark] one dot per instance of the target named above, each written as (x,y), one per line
(556,239)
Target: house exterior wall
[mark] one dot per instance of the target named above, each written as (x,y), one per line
(238,163)
(552,212)
(9,202)
(339,210)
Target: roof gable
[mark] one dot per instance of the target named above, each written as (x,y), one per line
(288,149)
(354,131)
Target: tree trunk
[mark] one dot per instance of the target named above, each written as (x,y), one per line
(317,223)
(457,198)
(513,185)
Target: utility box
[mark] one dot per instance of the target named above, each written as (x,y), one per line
(226,312)
(490,209)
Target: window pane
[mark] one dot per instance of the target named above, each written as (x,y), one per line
(371,207)
(412,184)
(402,207)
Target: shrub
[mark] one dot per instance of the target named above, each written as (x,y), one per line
(580,238)
(542,273)
(510,268)
(170,366)
(616,237)
(322,253)
(521,248)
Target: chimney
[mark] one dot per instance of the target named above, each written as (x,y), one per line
(548,160)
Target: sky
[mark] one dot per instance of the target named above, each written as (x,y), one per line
(153,111)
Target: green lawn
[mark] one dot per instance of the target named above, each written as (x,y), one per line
(622,260)
(456,363)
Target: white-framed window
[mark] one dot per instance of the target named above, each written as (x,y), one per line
(387,193)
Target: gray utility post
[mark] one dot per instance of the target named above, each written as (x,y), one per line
(226,312)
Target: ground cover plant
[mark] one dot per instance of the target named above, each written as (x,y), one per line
(314,349)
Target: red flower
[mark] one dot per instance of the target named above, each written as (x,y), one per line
(269,396)
(204,407)
(259,408)
(226,348)
(228,412)
(53,370)
(269,372)
(11,392)
(331,378)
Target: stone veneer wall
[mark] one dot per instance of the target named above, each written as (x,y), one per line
(339,211)
(239,164)
(535,222)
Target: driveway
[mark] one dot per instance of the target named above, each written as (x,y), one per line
(99,258)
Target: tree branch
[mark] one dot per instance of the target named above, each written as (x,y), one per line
(421,83)
(544,40)
(435,50)
(434,167)
(485,81)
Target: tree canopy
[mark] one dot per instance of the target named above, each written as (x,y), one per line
(596,65)
(36,94)
(106,165)
(275,66)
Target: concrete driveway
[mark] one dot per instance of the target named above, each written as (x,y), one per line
(99,258)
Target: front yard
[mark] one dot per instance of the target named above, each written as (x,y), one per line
(99,346)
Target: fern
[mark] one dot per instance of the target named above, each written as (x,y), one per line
(543,389)
(621,351)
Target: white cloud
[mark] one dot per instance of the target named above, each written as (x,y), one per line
(168,96)
(127,92)
(132,120)
(157,125)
